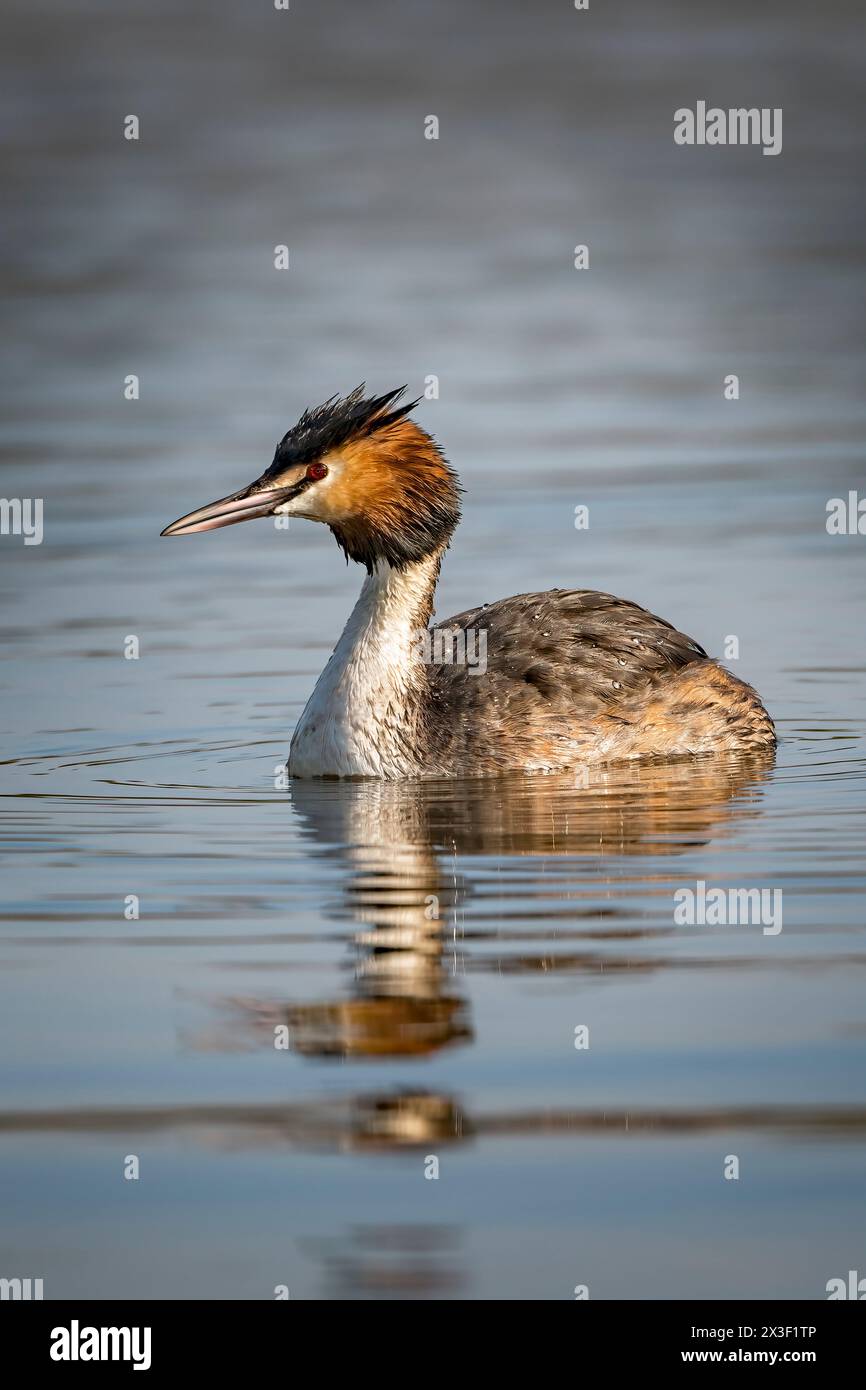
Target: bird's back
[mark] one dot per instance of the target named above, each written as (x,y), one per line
(555,679)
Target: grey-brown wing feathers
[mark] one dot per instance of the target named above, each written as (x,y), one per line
(572,646)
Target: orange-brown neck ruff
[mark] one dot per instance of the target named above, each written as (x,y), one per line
(397,500)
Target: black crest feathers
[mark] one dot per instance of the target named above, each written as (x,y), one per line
(337,421)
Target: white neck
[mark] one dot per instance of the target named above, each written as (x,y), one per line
(360,720)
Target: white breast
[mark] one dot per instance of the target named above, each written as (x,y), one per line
(358,720)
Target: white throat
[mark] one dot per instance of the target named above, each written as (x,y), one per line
(361,719)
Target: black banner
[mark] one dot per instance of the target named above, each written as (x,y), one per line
(159,1338)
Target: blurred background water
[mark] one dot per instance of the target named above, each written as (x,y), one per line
(310,908)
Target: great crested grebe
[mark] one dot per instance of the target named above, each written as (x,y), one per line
(572,677)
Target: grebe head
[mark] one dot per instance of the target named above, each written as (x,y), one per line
(377,479)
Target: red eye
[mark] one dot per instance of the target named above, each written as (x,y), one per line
(317,471)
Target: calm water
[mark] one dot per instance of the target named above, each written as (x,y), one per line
(431,949)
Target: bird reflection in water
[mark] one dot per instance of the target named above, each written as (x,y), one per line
(390,1261)
(401,844)
(405,998)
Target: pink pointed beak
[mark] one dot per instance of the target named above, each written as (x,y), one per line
(239,506)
